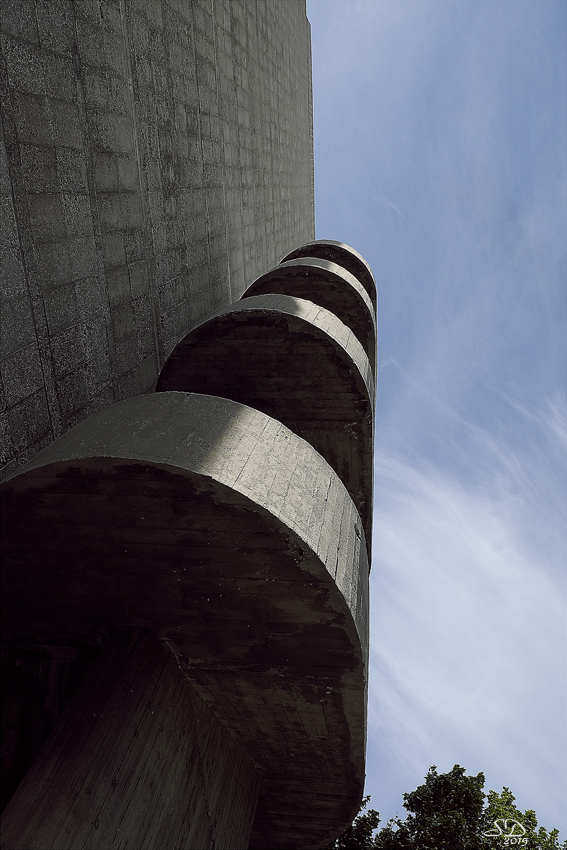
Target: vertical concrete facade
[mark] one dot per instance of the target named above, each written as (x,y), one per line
(189,385)
(156,158)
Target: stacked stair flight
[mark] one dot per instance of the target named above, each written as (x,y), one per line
(212,542)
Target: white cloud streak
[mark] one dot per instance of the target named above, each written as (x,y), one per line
(467,631)
(441,131)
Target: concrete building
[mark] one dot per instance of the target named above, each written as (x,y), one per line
(188,396)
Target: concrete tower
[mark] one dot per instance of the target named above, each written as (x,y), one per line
(185,569)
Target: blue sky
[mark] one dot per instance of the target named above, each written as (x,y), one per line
(440,155)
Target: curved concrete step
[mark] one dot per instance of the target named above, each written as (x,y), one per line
(329,285)
(220,531)
(343,255)
(298,363)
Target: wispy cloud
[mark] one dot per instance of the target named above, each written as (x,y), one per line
(463,619)
(441,131)
(382,199)
(556,418)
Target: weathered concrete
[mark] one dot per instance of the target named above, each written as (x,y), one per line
(218,530)
(137,761)
(330,286)
(343,255)
(297,362)
(157,156)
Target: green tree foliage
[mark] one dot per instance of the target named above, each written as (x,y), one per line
(501,807)
(443,814)
(359,835)
(448,812)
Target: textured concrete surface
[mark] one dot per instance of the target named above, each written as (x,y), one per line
(330,286)
(297,362)
(156,163)
(156,157)
(220,531)
(343,255)
(171,778)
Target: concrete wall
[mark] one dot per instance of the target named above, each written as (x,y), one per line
(137,761)
(156,158)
